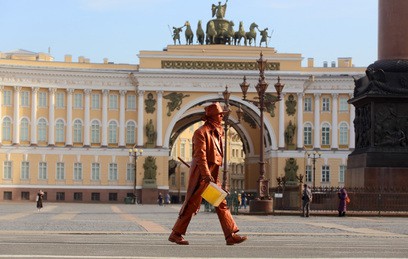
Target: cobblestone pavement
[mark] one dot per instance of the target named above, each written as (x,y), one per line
(68,230)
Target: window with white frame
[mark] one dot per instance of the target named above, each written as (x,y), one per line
(78,99)
(342,173)
(24,127)
(113,171)
(183,149)
(182,179)
(307,134)
(343,128)
(325,173)
(95,172)
(59,131)
(7,170)
(77,171)
(130,172)
(325,134)
(95,101)
(308,104)
(113,101)
(309,176)
(6,129)
(25,99)
(344,106)
(6,98)
(130,132)
(25,170)
(113,128)
(60,174)
(95,132)
(326,104)
(42,130)
(60,100)
(42,171)
(131,102)
(77,131)
(42,99)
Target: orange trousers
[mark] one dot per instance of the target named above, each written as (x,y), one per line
(193,204)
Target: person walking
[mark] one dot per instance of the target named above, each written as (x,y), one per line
(306,200)
(244,200)
(39,200)
(343,197)
(160,199)
(207,159)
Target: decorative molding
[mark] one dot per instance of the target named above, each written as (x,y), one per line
(216,65)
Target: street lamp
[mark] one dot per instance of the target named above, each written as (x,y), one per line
(261,87)
(314,156)
(134,152)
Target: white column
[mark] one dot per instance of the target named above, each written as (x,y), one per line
(316,136)
(105,94)
(68,141)
(87,117)
(51,117)
(140,113)
(122,126)
(159,140)
(335,134)
(281,123)
(34,93)
(16,117)
(352,133)
(1,116)
(299,125)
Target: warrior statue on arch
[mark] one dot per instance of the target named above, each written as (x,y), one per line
(219,10)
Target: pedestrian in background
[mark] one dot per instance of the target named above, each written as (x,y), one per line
(343,197)
(167,199)
(243,200)
(306,200)
(160,199)
(39,199)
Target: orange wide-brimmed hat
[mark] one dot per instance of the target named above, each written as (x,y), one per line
(214,109)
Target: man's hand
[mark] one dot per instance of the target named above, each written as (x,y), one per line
(208,178)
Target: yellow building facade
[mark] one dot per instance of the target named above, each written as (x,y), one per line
(67,127)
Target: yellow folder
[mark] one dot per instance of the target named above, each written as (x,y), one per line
(214,194)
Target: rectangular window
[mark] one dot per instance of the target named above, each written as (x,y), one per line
(25,99)
(342,173)
(42,99)
(78,101)
(183,149)
(308,104)
(7,196)
(25,170)
(307,134)
(7,98)
(77,196)
(113,171)
(25,196)
(59,100)
(60,196)
(77,171)
(173,180)
(325,104)
(95,101)
(113,101)
(344,106)
(182,179)
(309,176)
(113,196)
(131,102)
(95,172)
(325,135)
(325,174)
(60,174)
(130,172)
(42,171)
(7,170)
(95,196)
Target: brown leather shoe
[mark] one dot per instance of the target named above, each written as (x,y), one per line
(177,238)
(235,239)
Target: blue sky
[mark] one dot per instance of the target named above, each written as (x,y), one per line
(119,29)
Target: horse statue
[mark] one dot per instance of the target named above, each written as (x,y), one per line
(211,33)
(230,33)
(239,34)
(189,33)
(200,33)
(251,35)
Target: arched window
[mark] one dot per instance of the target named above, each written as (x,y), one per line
(307,134)
(325,134)
(59,131)
(113,128)
(6,128)
(42,130)
(343,127)
(95,132)
(77,131)
(130,132)
(24,129)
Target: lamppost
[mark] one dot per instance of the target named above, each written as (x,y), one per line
(227,123)
(261,87)
(134,152)
(314,156)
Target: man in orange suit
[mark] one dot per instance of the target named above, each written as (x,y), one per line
(207,159)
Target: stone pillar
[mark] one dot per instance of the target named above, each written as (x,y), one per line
(159,140)
(16,117)
(105,94)
(122,126)
(140,118)
(69,142)
(51,117)
(281,122)
(34,95)
(316,130)
(299,126)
